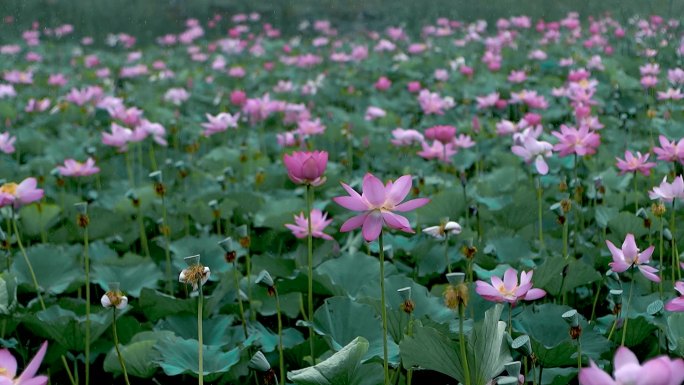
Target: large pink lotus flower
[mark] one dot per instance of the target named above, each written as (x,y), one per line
(444,134)
(576,141)
(8,369)
(319,221)
(220,123)
(508,289)
(7,143)
(638,163)
(629,256)
(305,167)
(378,204)
(669,151)
(677,304)
(667,192)
(73,168)
(532,148)
(627,370)
(20,194)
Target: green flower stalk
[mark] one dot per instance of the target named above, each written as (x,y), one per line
(160,190)
(135,201)
(456,298)
(231,258)
(197,275)
(83,221)
(115,299)
(265,279)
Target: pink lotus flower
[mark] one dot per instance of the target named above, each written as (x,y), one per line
(578,141)
(413,87)
(629,256)
(319,221)
(677,304)
(433,103)
(306,167)
(20,194)
(402,137)
(667,192)
(669,151)
(378,203)
(633,163)
(119,137)
(373,113)
(532,148)
(443,134)
(238,97)
(220,123)
(383,84)
(176,96)
(627,370)
(508,290)
(34,105)
(74,168)
(437,150)
(8,369)
(7,143)
(649,81)
(517,77)
(671,94)
(463,141)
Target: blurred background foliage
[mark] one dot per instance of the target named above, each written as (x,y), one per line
(147,19)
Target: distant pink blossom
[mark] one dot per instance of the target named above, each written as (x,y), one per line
(7,91)
(74,168)
(414,87)
(219,123)
(176,96)
(238,97)
(671,94)
(649,81)
(383,84)
(463,141)
(533,149)
(441,75)
(118,137)
(319,221)
(487,101)
(517,76)
(377,204)
(306,128)
(373,113)
(444,134)
(437,150)
(57,80)
(629,256)
(576,141)
(40,105)
(433,103)
(509,290)
(7,143)
(638,163)
(402,137)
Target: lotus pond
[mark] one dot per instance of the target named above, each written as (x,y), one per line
(475,203)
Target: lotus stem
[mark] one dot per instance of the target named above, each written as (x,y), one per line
(461,337)
(539,214)
(143,235)
(660,252)
(281,358)
(309,253)
(116,346)
(200,361)
(383,310)
(86,255)
(446,251)
(166,232)
(629,300)
(236,278)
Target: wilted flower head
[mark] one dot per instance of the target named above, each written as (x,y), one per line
(114,297)
(304,167)
(319,221)
(629,256)
(195,274)
(445,228)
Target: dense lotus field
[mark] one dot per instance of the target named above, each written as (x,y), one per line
(468,203)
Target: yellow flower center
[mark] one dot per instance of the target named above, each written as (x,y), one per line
(9,188)
(507,293)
